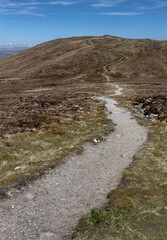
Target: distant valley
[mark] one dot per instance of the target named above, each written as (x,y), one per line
(9,50)
(8,53)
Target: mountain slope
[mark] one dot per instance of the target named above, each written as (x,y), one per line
(40,82)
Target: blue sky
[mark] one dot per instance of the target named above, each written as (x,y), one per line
(35,21)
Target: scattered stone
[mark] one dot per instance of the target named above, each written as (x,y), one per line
(54,210)
(95,140)
(1,210)
(122,155)
(30,196)
(46,236)
(107,96)
(13,206)
(3,195)
(148,100)
(126,96)
(148,117)
(17,168)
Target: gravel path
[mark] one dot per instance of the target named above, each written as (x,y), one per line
(51,207)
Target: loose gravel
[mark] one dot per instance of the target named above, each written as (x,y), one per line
(49,208)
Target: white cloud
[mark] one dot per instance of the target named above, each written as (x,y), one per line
(154,5)
(28,8)
(20,12)
(121,13)
(22,4)
(63,3)
(107,3)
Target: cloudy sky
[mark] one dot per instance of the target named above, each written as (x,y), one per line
(35,21)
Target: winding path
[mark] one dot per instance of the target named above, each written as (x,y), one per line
(50,207)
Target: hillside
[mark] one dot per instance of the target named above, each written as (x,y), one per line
(47,112)
(40,81)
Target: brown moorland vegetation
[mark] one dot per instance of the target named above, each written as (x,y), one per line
(50,86)
(47,111)
(36,84)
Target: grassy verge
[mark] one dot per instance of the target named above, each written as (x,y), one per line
(22,155)
(138,208)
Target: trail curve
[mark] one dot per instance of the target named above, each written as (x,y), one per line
(50,207)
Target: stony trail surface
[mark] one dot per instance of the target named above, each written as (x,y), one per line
(49,208)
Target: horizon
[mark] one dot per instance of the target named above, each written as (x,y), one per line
(26,45)
(34,22)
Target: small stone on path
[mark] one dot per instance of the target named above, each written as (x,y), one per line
(1,210)
(46,236)
(29,196)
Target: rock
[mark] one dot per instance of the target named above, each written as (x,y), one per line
(17,168)
(46,236)
(122,155)
(3,195)
(107,96)
(126,96)
(29,196)
(95,140)
(1,210)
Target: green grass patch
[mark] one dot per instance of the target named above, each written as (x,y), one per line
(137,210)
(42,148)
